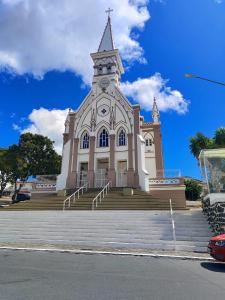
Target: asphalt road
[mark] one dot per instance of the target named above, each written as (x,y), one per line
(42,275)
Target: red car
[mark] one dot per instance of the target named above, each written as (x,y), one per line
(216,247)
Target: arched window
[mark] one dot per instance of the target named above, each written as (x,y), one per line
(122,137)
(103,138)
(84,141)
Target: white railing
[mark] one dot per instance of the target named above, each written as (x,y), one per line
(173,226)
(74,196)
(100,196)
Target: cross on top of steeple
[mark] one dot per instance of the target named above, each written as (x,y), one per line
(108,11)
(107,43)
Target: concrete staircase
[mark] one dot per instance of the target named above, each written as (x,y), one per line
(54,202)
(125,230)
(41,202)
(115,200)
(192,231)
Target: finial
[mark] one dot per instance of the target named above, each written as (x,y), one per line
(109,12)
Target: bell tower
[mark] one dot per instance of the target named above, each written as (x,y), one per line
(108,66)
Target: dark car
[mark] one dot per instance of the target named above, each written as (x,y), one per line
(22,196)
(216,247)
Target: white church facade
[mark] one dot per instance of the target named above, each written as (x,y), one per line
(106,139)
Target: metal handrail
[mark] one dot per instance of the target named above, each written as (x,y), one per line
(73,196)
(100,196)
(173,225)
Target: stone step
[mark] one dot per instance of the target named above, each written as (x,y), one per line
(157,245)
(115,200)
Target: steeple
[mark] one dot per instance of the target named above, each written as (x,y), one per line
(155,112)
(107,43)
(108,65)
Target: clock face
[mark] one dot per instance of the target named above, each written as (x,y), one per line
(104,83)
(103,110)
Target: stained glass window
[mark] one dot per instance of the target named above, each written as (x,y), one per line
(85,140)
(104,138)
(122,137)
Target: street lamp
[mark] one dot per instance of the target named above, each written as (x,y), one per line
(202,78)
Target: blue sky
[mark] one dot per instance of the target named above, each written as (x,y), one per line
(180,37)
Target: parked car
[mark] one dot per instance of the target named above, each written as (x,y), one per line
(216,247)
(21,196)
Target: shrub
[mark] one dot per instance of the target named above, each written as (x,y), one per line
(193,189)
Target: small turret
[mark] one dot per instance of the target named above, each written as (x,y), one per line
(155,112)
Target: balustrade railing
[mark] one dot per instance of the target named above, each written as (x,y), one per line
(164,181)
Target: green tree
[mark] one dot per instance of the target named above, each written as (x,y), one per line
(199,142)
(39,154)
(17,165)
(5,172)
(219,138)
(193,189)
(34,155)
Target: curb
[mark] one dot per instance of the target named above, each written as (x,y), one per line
(93,252)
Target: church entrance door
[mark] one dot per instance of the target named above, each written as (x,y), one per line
(121,177)
(101,174)
(82,177)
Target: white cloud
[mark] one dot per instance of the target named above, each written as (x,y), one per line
(16,127)
(46,122)
(39,36)
(143,91)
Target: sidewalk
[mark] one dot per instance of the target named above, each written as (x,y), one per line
(107,251)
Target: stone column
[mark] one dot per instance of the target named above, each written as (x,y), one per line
(91,164)
(70,184)
(72,174)
(130,172)
(112,171)
(158,151)
(136,133)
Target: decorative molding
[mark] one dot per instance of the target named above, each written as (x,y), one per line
(103,110)
(167,181)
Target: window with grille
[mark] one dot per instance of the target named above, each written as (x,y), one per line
(148,142)
(103,138)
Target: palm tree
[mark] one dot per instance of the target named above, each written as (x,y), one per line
(220,137)
(198,143)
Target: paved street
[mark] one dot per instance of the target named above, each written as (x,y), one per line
(150,230)
(42,275)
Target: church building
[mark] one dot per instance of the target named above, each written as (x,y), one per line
(106,139)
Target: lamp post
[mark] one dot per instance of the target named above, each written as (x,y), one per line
(202,78)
